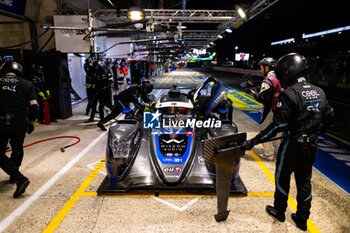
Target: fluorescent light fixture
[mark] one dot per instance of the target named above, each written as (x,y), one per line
(182,27)
(241,13)
(283,41)
(326,32)
(228,30)
(220,36)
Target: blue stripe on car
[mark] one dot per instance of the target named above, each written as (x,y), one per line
(206,113)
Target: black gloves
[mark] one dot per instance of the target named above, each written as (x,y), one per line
(30,127)
(249,144)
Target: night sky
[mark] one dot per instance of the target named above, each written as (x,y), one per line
(284,20)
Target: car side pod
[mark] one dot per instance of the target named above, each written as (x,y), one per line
(223,151)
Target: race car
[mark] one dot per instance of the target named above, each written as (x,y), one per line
(163,148)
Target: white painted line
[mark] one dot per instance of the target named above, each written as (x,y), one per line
(91,166)
(342,157)
(190,203)
(25,205)
(168,203)
(181,209)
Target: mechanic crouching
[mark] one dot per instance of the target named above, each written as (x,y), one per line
(18,113)
(122,100)
(269,92)
(302,111)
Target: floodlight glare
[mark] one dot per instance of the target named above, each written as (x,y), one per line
(135,13)
(241,13)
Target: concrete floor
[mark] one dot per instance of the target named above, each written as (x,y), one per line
(62,198)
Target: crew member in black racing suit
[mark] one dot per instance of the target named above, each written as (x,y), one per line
(90,84)
(225,109)
(18,113)
(42,90)
(122,100)
(302,111)
(104,82)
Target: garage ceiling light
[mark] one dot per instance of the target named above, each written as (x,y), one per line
(241,13)
(135,13)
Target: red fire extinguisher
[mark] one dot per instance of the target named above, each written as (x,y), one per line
(46,112)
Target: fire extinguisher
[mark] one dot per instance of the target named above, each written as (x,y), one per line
(46,112)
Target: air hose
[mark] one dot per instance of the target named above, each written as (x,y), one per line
(48,139)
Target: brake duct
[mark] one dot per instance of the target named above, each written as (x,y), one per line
(223,151)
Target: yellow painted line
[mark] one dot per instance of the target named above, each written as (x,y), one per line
(68,206)
(95,194)
(261,194)
(338,138)
(310,225)
(241,104)
(169,78)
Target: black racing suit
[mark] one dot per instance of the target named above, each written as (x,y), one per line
(104,81)
(90,84)
(225,109)
(18,105)
(122,100)
(43,93)
(302,110)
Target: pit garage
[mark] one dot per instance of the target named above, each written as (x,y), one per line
(75,183)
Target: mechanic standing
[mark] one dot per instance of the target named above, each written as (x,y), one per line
(302,111)
(122,100)
(123,75)
(104,82)
(18,113)
(269,91)
(42,90)
(90,84)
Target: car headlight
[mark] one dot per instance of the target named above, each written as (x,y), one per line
(120,147)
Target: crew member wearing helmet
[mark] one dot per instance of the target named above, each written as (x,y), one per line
(122,100)
(18,113)
(42,90)
(269,91)
(302,111)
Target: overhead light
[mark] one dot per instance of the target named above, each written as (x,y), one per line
(326,32)
(236,47)
(283,41)
(182,27)
(241,13)
(212,43)
(220,36)
(228,30)
(135,13)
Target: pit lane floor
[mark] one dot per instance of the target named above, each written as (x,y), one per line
(62,194)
